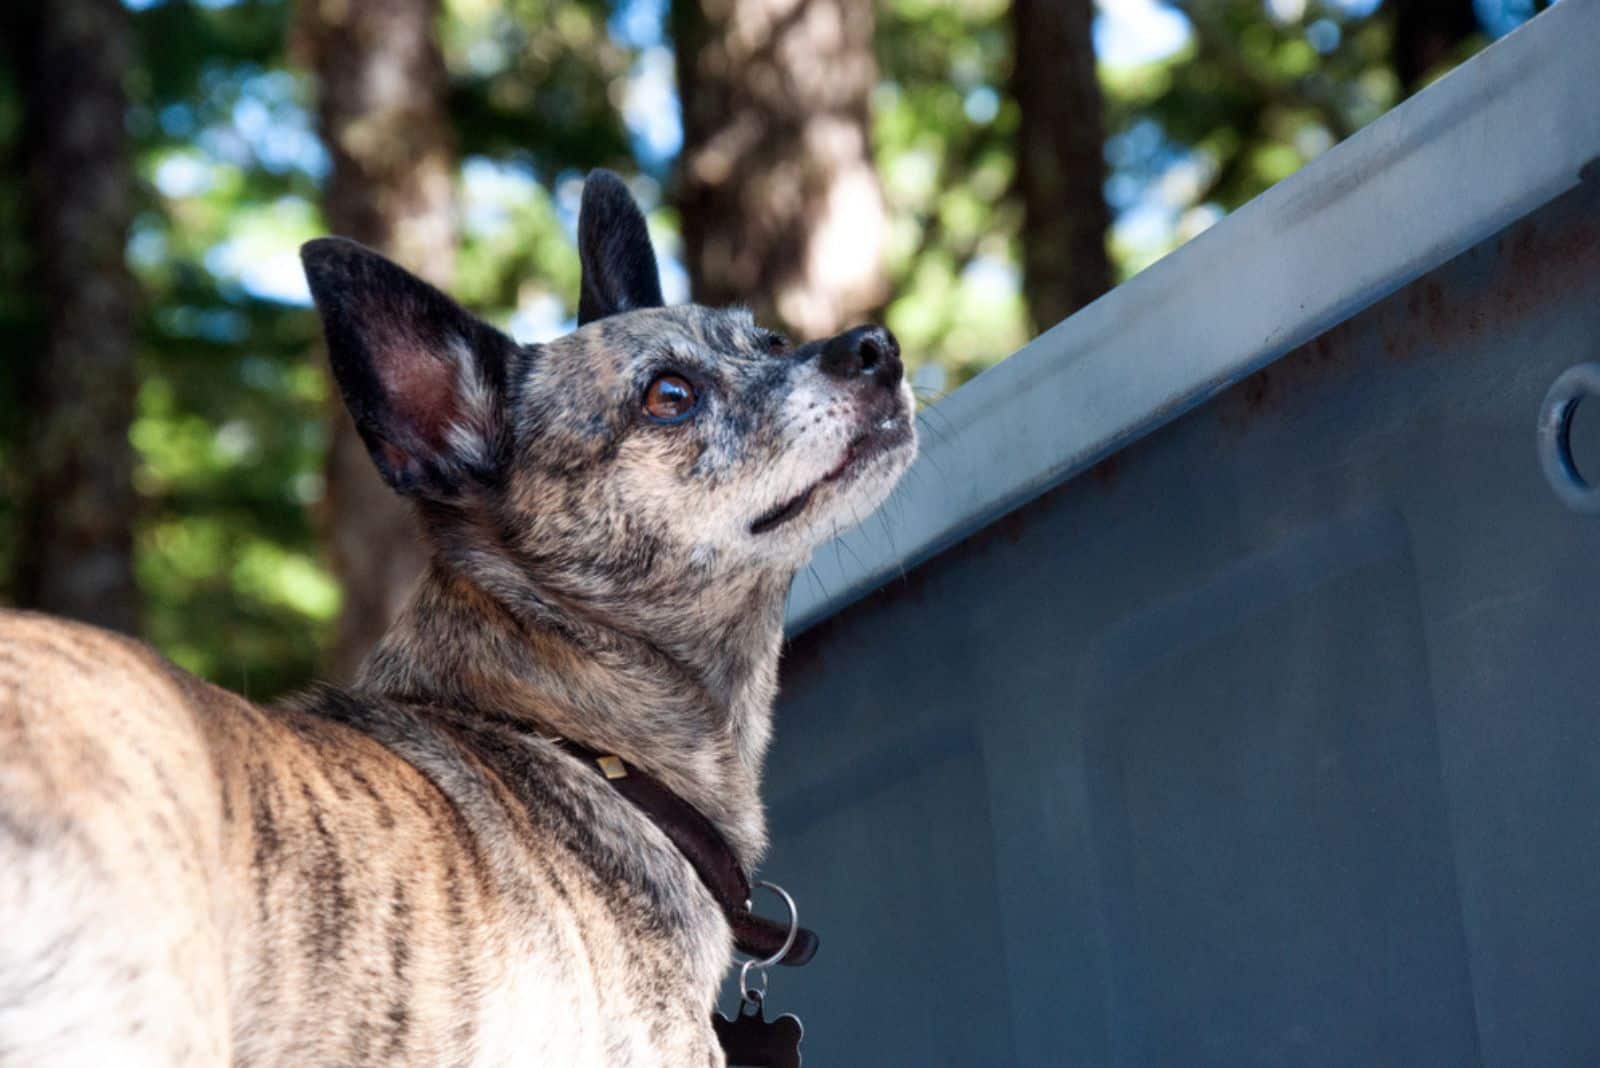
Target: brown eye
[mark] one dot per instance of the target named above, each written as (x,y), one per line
(670,399)
(777,344)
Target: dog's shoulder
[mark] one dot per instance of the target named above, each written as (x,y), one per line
(603,896)
(40,651)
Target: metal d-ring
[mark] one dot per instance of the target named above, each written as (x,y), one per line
(746,992)
(753,996)
(1555,436)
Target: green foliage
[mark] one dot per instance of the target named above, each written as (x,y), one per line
(1255,94)
(943,128)
(230,427)
(534,85)
(229,424)
(535,81)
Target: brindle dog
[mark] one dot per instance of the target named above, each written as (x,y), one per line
(412,870)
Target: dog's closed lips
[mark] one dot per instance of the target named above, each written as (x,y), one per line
(885,436)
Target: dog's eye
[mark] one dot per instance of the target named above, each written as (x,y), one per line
(670,399)
(777,344)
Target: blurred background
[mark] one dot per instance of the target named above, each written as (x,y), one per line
(970,171)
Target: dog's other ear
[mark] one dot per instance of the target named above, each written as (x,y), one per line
(619,265)
(423,378)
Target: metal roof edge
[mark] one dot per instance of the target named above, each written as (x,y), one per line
(1399,198)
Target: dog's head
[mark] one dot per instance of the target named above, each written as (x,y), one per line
(650,445)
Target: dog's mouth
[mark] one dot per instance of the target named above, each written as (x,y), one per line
(864,448)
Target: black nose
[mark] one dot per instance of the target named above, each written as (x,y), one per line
(864,352)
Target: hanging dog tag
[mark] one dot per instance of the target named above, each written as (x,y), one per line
(750,1041)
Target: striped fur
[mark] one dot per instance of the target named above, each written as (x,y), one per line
(408,871)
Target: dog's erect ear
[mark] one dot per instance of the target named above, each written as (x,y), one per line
(423,378)
(619,265)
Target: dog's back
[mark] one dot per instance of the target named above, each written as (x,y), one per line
(186,878)
(107,800)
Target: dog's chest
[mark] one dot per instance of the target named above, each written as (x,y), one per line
(529,1016)
(559,995)
(525,1022)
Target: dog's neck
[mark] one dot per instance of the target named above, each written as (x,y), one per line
(685,693)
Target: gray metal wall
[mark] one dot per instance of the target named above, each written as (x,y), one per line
(1272,739)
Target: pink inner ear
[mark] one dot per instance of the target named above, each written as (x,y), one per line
(421,387)
(393,458)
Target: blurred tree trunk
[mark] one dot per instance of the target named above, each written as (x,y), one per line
(75,548)
(382,116)
(1427,33)
(781,207)
(1061,168)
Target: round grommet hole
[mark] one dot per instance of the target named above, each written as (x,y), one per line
(1583,440)
(1564,436)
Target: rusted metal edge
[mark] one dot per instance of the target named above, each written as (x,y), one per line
(1500,136)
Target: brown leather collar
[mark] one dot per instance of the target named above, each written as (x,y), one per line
(699,841)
